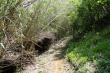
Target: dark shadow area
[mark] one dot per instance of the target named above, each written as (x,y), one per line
(7,66)
(43,45)
(38,47)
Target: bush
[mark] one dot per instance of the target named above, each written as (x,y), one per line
(92,15)
(94,47)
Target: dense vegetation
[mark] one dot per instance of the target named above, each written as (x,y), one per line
(23,20)
(91,32)
(88,21)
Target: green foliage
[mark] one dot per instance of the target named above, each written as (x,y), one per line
(40,16)
(90,15)
(6,5)
(8,16)
(49,16)
(93,47)
(91,34)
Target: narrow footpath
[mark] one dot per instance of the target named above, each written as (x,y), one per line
(52,61)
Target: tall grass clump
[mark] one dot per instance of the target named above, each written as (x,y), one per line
(21,21)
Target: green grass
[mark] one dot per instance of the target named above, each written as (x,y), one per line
(93,47)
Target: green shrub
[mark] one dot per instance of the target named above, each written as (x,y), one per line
(93,47)
(89,15)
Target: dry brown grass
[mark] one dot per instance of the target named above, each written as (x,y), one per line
(19,25)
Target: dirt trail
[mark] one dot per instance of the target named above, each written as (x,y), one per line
(51,61)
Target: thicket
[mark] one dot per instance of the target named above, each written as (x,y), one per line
(92,15)
(91,34)
(23,20)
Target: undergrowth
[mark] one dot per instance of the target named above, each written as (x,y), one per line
(93,47)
